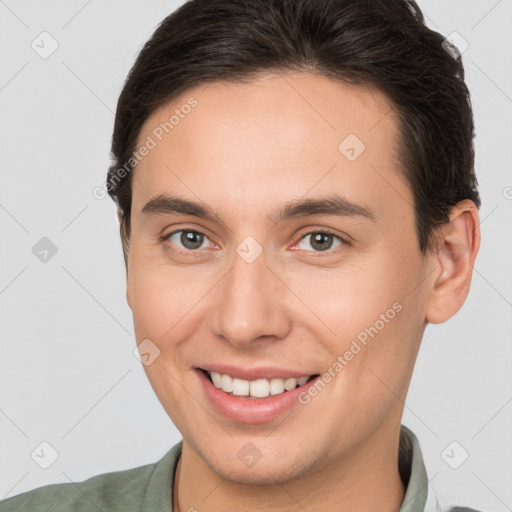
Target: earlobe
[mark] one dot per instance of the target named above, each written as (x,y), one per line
(124,244)
(128,296)
(129,293)
(458,244)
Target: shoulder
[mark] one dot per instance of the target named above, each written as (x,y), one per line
(108,491)
(123,491)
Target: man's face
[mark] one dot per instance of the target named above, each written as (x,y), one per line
(295,294)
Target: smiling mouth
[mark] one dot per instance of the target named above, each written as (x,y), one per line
(259,388)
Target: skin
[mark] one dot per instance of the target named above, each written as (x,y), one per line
(246,150)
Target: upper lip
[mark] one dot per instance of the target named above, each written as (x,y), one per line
(254,373)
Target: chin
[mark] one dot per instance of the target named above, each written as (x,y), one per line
(273,466)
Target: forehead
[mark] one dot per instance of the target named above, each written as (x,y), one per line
(276,133)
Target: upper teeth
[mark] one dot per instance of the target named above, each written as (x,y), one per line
(260,388)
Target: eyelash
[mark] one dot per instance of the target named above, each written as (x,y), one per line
(343,240)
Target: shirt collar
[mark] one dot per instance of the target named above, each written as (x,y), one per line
(414,475)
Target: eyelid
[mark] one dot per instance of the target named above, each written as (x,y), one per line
(172,229)
(166,236)
(345,240)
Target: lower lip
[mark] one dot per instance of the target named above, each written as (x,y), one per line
(252,410)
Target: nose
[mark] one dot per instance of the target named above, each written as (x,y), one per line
(250,304)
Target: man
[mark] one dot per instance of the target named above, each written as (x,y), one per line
(297,200)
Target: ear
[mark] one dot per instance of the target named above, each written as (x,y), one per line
(127,284)
(125,247)
(457,246)
(128,295)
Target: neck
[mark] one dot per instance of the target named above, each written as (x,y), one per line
(344,484)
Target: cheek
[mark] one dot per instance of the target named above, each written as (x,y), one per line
(350,298)
(161,297)
(366,314)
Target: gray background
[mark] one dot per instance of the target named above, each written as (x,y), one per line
(68,373)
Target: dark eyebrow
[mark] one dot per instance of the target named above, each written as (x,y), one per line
(162,205)
(329,205)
